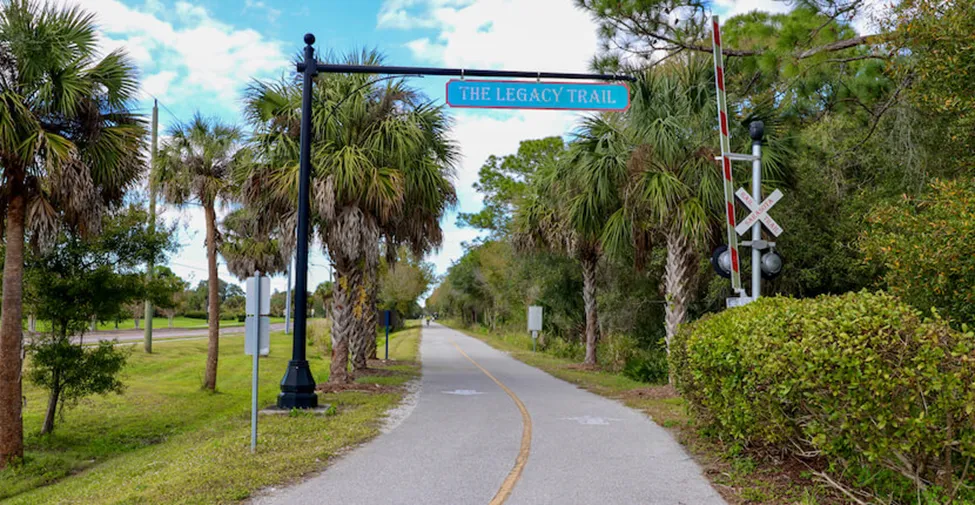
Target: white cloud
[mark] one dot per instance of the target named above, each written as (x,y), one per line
(506,34)
(411,14)
(158,84)
(480,136)
(731,8)
(260,5)
(206,55)
(536,35)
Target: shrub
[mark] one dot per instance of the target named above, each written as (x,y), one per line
(615,350)
(319,333)
(648,366)
(70,371)
(565,349)
(195,314)
(625,354)
(858,379)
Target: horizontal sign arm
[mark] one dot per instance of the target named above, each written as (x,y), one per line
(460,72)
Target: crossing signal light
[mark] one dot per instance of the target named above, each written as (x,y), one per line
(771,265)
(721,261)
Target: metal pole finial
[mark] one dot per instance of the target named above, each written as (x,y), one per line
(309,38)
(756,130)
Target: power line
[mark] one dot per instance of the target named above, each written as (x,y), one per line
(162,104)
(202,269)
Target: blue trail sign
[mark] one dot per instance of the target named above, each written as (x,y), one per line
(538,95)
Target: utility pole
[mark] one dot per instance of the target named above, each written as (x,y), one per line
(151,267)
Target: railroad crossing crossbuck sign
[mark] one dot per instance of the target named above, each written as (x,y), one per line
(758,212)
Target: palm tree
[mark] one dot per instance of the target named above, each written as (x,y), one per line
(250,242)
(196,165)
(370,144)
(69,149)
(568,205)
(428,194)
(674,189)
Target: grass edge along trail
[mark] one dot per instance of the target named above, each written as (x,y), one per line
(739,477)
(164,440)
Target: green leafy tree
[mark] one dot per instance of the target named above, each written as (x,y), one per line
(937,34)
(402,283)
(165,290)
(196,164)
(674,190)
(567,207)
(250,243)
(503,182)
(70,147)
(78,280)
(923,246)
(638,33)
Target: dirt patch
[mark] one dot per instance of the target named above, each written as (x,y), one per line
(653,393)
(326,387)
(376,372)
(382,363)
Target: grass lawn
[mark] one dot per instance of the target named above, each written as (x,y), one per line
(161,323)
(738,476)
(164,440)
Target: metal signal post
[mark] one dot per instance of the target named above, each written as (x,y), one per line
(725,260)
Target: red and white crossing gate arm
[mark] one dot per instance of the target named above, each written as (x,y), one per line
(729,185)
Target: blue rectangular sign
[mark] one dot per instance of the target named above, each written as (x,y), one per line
(597,96)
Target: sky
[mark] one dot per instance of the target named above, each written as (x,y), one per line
(199,57)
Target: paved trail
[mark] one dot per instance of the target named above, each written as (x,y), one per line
(466,442)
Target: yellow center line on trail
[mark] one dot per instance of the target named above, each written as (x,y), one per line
(526,436)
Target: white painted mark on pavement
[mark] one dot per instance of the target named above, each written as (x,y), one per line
(462,392)
(591,420)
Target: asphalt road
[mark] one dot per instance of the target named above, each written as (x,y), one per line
(166,333)
(466,442)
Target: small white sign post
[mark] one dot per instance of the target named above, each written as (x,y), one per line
(534,323)
(257,340)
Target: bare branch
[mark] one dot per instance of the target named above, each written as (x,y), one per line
(839,45)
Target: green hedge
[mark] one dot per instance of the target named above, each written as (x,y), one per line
(195,314)
(858,379)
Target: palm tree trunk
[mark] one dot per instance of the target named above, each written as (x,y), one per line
(213,299)
(589,298)
(678,281)
(366,329)
(373,295)
(11,331)
(343,321)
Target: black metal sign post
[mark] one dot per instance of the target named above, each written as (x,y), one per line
(298,384)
